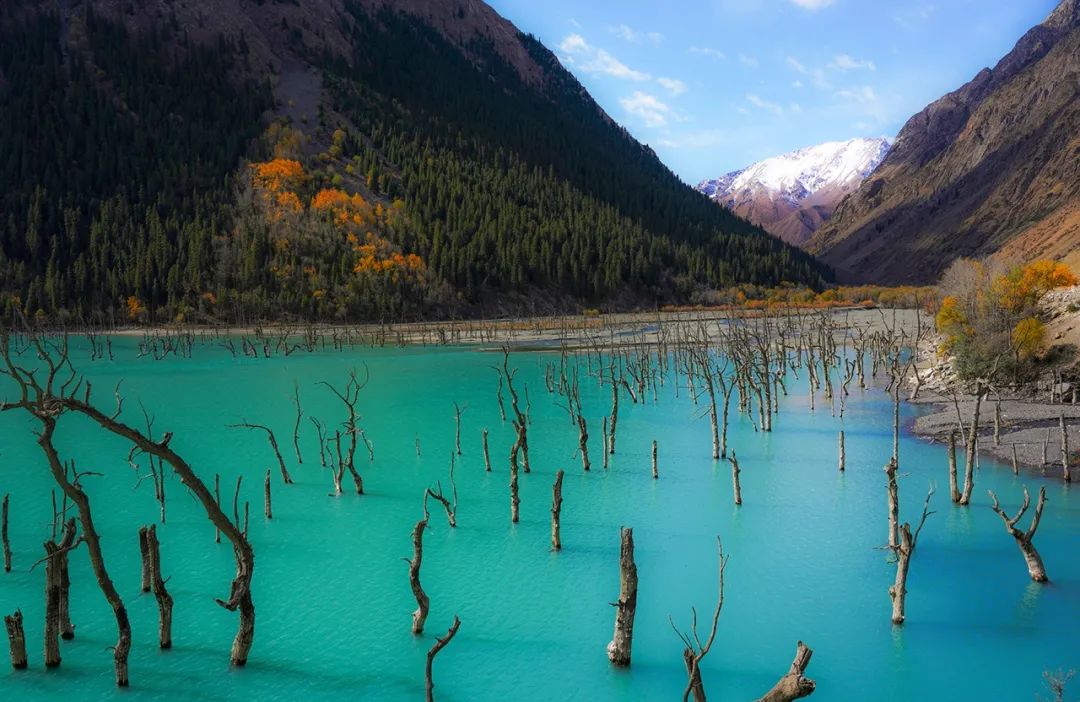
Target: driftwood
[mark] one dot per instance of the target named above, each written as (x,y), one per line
(440,643)
(556,511)
(1034,562)
(619,649)
(794,685)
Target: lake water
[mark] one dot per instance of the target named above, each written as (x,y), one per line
(332,593)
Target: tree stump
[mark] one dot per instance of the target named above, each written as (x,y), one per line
(16,639)
(794,685)
(619,649)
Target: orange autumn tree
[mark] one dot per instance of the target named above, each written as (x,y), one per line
(988,316)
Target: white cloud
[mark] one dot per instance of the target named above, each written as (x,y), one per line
(627,33)
(797,84)
(864,103)
(843,62)
(795,107)
(706,51)
(673,85)
(590,59)
(812,4)
(759,102)
(654,112)
(796,66)
(748,61)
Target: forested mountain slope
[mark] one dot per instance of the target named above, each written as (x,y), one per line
(406,159)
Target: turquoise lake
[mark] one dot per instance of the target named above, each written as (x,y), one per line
(332,594)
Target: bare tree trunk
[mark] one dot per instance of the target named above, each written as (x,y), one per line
(894,504)
(267,510)
(93,544)
(619,649)
(161,594)
(422,601)
(52,609)
(655,471)
(16,639)
(954,490)
(487,456)
(60,555)
(735,484)
(440,643)
(556,511)
(1034,562)
(514,500)
(697,689)
(4,536)
(795,684)
(614,411)
(972,445)
(842,455)
(583,442)
(296,427)
(144,559)
(217,501)
(898,591)
(1064,448)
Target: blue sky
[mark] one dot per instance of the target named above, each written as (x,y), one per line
(715,85)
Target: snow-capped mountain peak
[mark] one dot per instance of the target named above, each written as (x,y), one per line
(770,191)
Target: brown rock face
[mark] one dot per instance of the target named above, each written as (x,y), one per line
(993,167)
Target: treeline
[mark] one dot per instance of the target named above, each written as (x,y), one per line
(125,194)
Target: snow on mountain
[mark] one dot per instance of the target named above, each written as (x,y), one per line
(790,195)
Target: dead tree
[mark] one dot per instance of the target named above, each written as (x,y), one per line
(556,511)
(735,484)
(843,457)
(57,594)
(450,507)
(157,582)
(614,410)
(1064,448)
(1024,538)
(144,560)
(655,470)
(458,411)
(694,649)
(954,489)
(894,503)
(273,445)
(4,535)
(440,643)
(349,397)
(267,511)
(972,447)
(296,427)
(520,419)
(422,601)
(618,651)
(16,639)
(487,456)
(515,501)
(904,549)
(794,685)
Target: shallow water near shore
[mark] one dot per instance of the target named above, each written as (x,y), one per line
(332,594)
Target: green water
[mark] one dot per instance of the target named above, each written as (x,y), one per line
(332,595)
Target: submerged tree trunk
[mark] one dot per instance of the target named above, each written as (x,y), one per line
(440,643)
(1032,559)
(954,490)
(487,456)
(52,609)
(735,484)
(422,601)
(161,594)
(514,500)
(16,639)
(655,469)
(898,591)
(972,446)
(843,457)
(4,537)
(267,509)
(556,511)
(894,504)
(697,689)
(794,685)
(619,649)
(1066,473)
